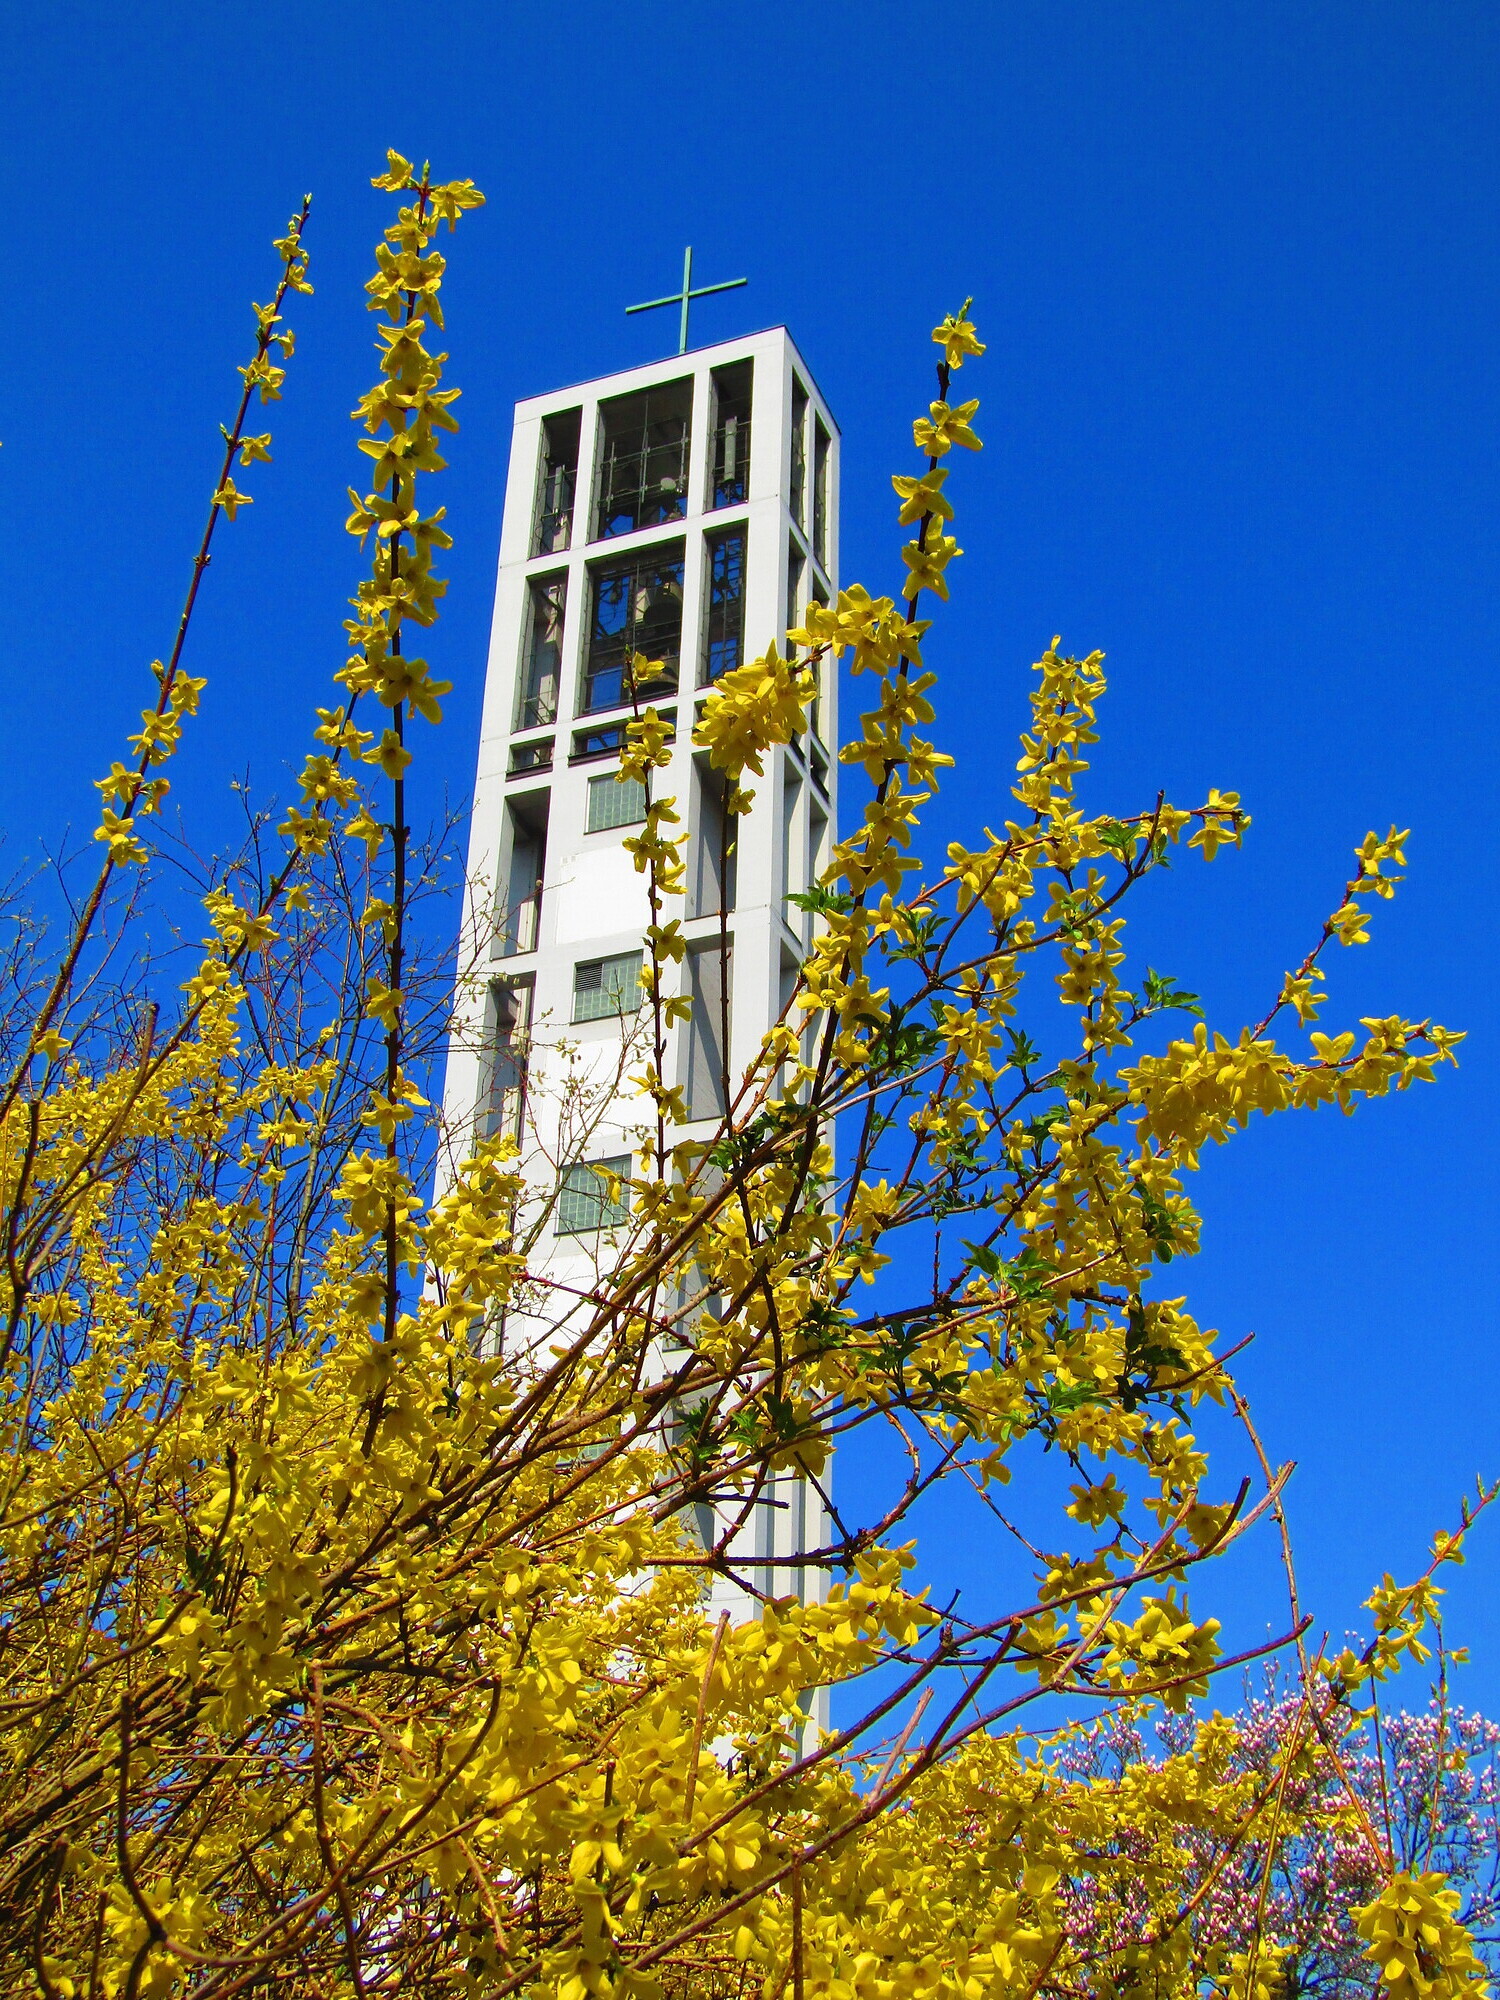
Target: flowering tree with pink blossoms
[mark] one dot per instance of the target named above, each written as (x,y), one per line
(1422,1786)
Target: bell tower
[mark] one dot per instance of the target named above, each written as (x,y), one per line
(686,511)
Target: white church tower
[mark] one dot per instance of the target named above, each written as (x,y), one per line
(686,511)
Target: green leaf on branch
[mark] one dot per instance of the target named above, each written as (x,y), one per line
(1160,994)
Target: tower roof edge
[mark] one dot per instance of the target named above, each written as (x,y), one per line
(643,374)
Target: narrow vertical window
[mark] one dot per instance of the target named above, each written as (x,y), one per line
(787,985)
(507,1031)
(558,477)
(796,565)
(707,1078)
(690,1300)
(818,595)
(643,468)
(637,608)
(711,860)
(797,498)
(725,647)
(763,1536)
(797,1488)
(525,864)
(820,491)
(786,988)
(729,483)
(817,856)
(537,705)
(805,1024)
(793,855)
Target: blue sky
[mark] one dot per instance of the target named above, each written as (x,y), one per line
(1237,268)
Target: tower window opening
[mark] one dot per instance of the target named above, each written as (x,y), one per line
(818,595)
(589,743)
(610,740)
(707,1030)
(538,703)
(519,916)
(507,1033)
(805,1025)
(594,1195)
(637,608)
(725,639)
(607,988)
(643,468)
(713,853)
(786,988)
(615,802)
(796,566)
(730,470)
(820,491)
(797,498)
(817,857)
(557,483)
(690,1300)
(793,849)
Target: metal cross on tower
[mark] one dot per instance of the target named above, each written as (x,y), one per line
(686,296)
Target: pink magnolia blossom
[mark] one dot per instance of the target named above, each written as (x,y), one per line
(1426,1788)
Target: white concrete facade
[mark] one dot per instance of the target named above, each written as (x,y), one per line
(550,704)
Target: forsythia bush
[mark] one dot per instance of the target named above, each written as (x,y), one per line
(351,1601)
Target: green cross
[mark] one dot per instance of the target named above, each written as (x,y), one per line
(685,296)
